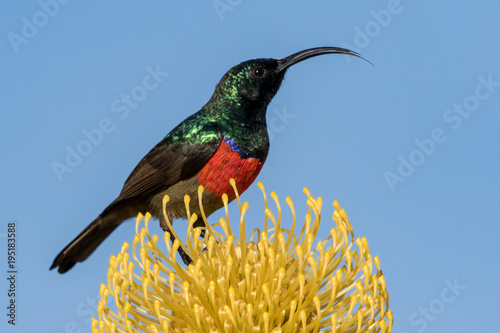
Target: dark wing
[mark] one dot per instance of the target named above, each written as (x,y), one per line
(180,156)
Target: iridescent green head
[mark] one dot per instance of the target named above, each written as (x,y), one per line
(256,81)
(253,81)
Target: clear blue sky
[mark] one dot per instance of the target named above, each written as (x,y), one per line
(409,146)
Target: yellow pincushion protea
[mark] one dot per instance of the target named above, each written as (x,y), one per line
(282,283)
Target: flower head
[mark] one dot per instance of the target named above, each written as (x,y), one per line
(283,281)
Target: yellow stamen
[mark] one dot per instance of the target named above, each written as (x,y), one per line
(279,282)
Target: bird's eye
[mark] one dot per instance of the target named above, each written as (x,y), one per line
(258,71)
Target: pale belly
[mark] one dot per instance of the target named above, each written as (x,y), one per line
(214,176)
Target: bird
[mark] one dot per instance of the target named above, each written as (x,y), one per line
(227,138)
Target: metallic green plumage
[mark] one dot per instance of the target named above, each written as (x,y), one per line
(234,119)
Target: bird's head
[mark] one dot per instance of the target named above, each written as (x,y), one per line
(255,82)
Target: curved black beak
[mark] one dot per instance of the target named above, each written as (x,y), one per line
(295,58)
